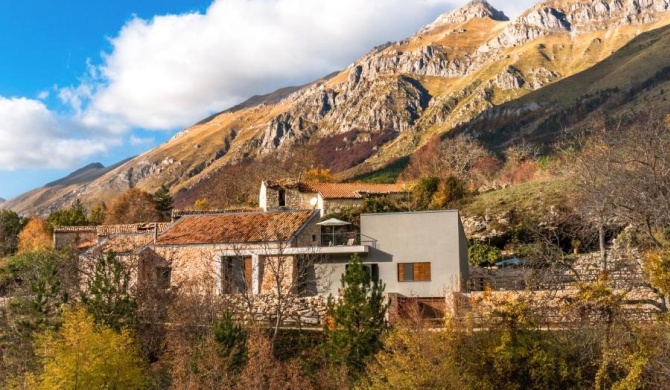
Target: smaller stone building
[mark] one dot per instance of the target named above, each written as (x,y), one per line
(327,197)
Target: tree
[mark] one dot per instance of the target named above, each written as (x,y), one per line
(451,156)
(163,202)
(232,339)
(479,253)
(98,214)
(83,355)
(318,175)
(107,297)
(133,206)
(358,319)
(201,204)
(76,215)
(35,237)
(11,225)
(415,356)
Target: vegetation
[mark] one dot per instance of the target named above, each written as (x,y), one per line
(10,227)
(88,356)
(357,319)
(133,206)
(163,202)
(107,296)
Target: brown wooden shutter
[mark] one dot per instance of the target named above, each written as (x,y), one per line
(401,272)
(248,272)
(422,272)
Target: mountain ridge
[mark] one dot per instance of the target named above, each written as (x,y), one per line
(396,98)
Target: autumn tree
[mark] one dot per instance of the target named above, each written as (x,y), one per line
(319,175)
(35,236)
(358,319)
(415,356)
(83,355)
(201,205)
(133,206)
(455,156)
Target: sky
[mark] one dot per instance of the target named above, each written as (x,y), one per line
(86,81)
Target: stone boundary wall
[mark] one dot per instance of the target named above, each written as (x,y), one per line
(298,312)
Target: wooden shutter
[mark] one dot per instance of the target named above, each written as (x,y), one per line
(248,272)
(422,272)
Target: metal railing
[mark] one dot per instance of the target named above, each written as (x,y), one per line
(342,239)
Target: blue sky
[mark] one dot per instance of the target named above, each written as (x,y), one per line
(86,81)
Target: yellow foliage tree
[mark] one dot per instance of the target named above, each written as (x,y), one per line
(201,204)
(35,236)
(414,357)
(82,355)
(318,175)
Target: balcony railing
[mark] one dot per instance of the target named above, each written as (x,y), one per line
(342,239)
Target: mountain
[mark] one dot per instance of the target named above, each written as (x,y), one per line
(2,200)
(472,70)
(59,193)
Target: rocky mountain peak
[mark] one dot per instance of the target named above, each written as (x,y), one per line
(473,10)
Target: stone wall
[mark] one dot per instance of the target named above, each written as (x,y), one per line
(72,238)
(299,311)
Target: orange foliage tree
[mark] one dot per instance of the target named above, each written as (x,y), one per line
(133,206)
(35,236)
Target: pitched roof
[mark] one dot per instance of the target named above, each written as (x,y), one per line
(235,228)
(351,190)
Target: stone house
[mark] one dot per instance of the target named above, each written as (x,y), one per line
(422,255)
(327,197)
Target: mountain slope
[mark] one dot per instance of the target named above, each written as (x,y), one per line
(59,193)
(468,64)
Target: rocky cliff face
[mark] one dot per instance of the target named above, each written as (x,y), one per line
(468,61)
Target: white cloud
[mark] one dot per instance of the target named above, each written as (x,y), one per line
(171,71)
(43,94)
(32,136)
(136,141)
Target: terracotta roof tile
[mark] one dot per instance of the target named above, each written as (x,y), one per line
(351,190)
(235,228)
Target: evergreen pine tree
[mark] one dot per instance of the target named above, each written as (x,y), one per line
(357,318)
(163,202)
(107,297)
(232,339)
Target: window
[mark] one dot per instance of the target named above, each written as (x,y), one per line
(163,276)
(282,197)
(414,272)
(236,274)
(371,269)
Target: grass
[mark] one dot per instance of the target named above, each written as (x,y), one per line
(535,197)
(386,175)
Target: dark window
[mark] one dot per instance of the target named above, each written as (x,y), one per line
(163,276)
(414,272)
(236,274)
(371,269)
(282,197)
